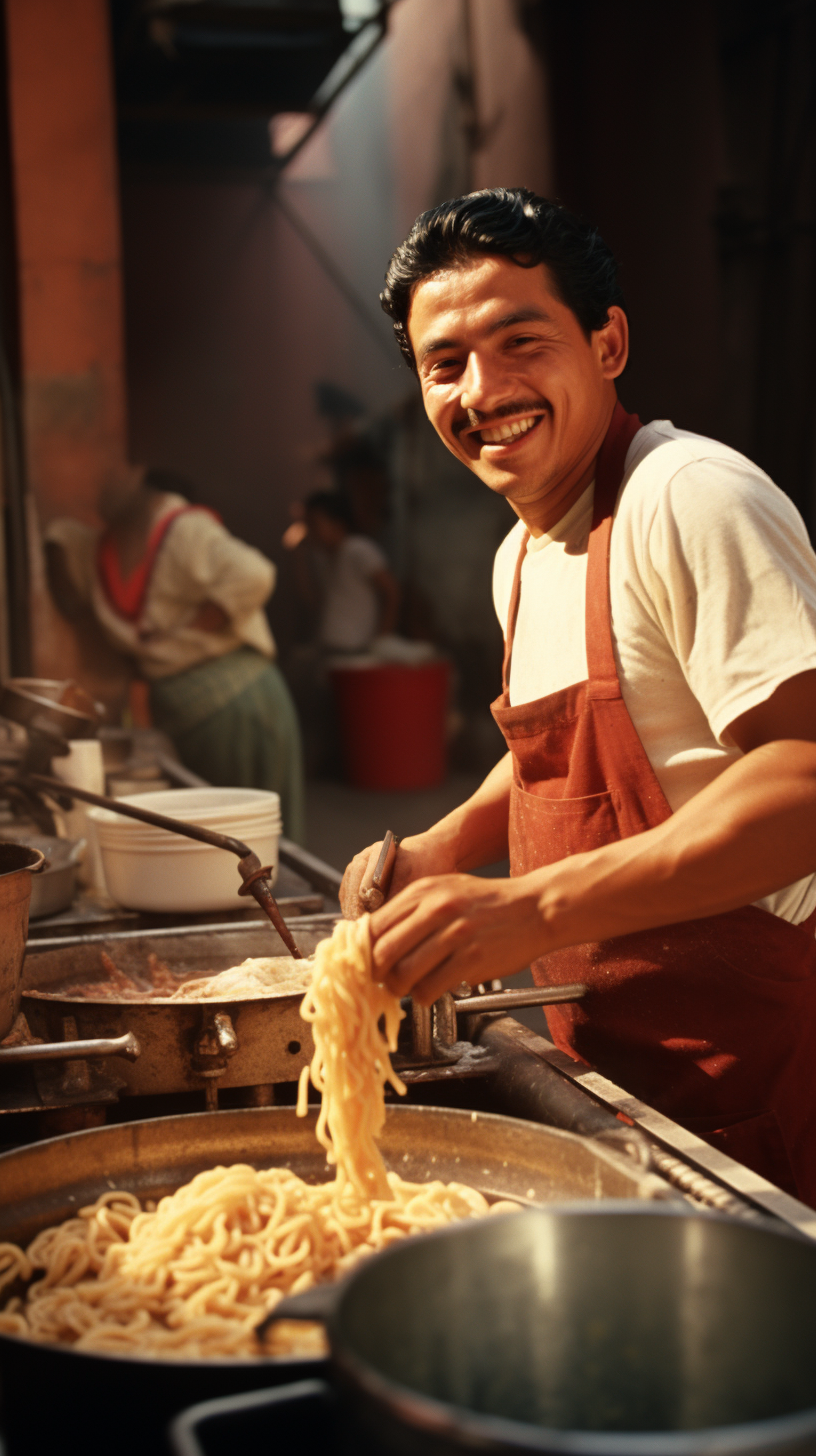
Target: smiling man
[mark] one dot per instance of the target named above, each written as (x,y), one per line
(658,796)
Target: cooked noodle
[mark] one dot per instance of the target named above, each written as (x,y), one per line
(194,1276)
(351,1063)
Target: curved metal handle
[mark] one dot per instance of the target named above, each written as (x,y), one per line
(318,1304)
(248,863)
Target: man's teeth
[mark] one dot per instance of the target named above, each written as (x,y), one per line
(506,432)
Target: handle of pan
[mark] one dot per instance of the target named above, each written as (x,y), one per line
(507,1000)
(315,1304)
(68,1051)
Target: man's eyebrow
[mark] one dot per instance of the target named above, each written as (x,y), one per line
(521,316)
(508,321)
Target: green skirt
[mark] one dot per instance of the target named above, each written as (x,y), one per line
(232,721)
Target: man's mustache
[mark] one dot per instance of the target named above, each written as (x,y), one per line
(520,407)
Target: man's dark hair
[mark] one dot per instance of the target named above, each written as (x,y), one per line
(509,222)
(332,504)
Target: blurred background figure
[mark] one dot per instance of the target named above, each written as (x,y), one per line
(183,599)
(343,579)
(359,594)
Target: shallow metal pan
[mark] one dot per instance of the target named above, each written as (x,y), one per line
(184,1046)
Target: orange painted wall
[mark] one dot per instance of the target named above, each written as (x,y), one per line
(70,286)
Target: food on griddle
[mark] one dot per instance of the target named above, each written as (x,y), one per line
(256,976)
(194,1276)
(118,985)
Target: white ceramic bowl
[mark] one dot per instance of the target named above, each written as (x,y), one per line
(153,869)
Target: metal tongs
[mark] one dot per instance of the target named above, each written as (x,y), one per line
(254,875)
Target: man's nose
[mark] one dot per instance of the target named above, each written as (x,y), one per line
(484,385)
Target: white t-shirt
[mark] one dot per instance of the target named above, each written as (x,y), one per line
(713,595)
(351,606)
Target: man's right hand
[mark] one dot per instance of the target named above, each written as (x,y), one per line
(417,856)
(475,834)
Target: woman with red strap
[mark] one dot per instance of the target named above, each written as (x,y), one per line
(658,796)
(175,591)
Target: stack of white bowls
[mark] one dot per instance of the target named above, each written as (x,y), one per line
(153,869)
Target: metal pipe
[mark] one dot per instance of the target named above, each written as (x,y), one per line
(252,872)
(67,1051)
(320,874)
(508,1000)
(59,788)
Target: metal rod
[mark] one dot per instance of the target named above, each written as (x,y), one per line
(147,816)
(248,862)
(68,1051)
(507,1000)
(320,874)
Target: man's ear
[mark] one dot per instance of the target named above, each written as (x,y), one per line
(612,343)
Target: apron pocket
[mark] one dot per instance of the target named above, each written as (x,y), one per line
(543,830)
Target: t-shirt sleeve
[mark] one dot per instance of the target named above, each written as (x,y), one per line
(504,567)
(217,566)
(732,579)
(365,556)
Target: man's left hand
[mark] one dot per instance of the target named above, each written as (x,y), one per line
(452,928)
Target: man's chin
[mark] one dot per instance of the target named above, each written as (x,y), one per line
(504,482)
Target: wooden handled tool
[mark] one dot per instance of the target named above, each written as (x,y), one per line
(377,878)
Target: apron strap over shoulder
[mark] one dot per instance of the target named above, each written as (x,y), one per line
(602,672)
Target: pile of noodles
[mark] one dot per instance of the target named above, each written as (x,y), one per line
(193,1276)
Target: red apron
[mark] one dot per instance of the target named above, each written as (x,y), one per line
(711,1021)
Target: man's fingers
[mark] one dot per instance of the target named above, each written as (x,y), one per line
(350,902)
(404,924)
(443,979)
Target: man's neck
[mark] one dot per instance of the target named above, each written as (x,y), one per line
(542,514)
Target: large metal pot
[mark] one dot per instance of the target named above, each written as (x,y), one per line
(91,1396)
(591,1330)
(17,864)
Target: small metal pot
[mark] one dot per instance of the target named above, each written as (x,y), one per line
(581,1330)
(17,864)
(55,886)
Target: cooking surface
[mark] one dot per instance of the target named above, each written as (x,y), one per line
(185,1066)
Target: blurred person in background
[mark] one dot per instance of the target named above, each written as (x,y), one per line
(344,577)
(359,595)
(180,596)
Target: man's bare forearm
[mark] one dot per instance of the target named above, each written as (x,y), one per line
(749,833)
(475,833)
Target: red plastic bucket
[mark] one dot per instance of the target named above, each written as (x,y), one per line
(392,724)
